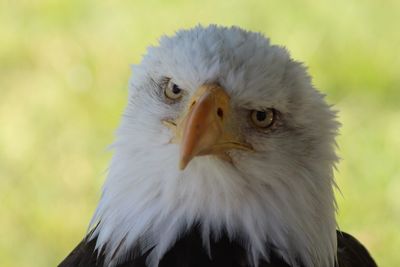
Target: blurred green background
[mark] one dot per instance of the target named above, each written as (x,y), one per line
(64,69)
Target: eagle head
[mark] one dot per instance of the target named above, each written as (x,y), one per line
(225,132)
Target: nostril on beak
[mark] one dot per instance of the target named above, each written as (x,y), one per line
(220,113)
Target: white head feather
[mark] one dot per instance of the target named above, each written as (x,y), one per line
(280,196)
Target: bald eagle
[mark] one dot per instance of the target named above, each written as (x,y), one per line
(224,157)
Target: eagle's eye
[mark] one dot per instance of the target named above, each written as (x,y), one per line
(263,118)
(172,91)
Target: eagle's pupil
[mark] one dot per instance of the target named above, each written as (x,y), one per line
(175,89)
(261,115)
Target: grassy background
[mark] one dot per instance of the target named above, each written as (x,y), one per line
(64,67)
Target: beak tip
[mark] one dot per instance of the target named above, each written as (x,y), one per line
(183,164)
(184,161)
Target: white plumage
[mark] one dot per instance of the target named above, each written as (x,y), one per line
(280,194)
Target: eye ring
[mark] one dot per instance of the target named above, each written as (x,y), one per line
(173,91)
(263,118)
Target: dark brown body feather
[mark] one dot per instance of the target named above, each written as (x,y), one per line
(189,252)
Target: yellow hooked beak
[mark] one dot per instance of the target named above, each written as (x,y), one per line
(207,127)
